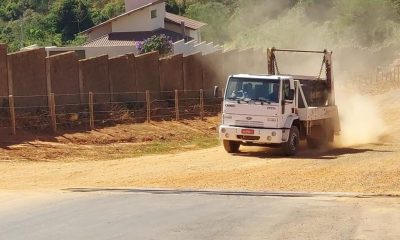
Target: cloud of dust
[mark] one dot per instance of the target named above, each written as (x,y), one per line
(363,35)
(360,117)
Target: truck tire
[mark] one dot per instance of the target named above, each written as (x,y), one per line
(231,146)
(291,147)
(319,137)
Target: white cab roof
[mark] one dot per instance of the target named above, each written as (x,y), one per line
(266,77)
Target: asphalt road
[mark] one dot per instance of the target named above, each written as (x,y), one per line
(140,214)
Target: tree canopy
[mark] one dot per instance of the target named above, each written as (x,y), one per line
(52,22)
(239,23)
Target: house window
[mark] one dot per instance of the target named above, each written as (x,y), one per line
(153,14)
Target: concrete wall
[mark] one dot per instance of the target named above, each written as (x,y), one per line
(93,77)
(27,77)
(147,72)
(180,47)
(29,74)
(91,52)
(231,63)
(171,73)
(193,72)
(213,71)
(63,78)
(3,70)
(3,77)
(122,77)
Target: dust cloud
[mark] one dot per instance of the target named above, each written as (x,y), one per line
(361,118)
(361,43)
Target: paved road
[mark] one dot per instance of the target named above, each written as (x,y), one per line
(138,214)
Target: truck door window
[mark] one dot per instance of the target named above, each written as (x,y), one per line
(286,90)
(232,88)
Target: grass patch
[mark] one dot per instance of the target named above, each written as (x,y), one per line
(164,147)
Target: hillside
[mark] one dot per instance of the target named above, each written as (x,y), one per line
(51,22)
(338,24)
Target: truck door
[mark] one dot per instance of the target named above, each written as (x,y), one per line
(287,100)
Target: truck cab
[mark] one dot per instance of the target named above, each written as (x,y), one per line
(277,110)
(256,110)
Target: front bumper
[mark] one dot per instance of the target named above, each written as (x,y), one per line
(260,136)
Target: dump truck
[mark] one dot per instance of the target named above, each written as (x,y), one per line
(280,110)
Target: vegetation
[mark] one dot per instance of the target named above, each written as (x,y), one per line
(52,22)
(258,23)
(237,23)
(161,44)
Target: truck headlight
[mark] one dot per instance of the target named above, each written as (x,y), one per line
(223,130)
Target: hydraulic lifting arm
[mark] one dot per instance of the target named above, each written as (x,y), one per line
(327,62)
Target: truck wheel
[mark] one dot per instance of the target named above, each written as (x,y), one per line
(231,146)
(291,147)
(318,138)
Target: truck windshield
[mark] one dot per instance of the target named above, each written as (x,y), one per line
(248,89)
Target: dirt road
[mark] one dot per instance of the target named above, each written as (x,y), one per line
(372,168)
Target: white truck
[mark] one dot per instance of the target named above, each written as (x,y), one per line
(279,110)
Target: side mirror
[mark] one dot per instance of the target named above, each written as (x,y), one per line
(216,91)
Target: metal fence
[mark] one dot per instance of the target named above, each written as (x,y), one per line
(93,110)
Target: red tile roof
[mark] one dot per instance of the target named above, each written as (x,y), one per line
(189,23)
(130,38)
(105,42)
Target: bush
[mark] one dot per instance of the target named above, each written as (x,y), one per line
(161,43)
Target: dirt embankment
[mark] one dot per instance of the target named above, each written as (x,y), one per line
(121,141)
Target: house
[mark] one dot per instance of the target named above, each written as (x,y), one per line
(141,20)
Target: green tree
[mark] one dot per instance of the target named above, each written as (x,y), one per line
(11,11)
(71,17)
(173,7)
(216,15)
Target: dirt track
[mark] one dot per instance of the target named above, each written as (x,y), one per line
(373,168)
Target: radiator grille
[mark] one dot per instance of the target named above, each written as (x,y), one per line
(243,123)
